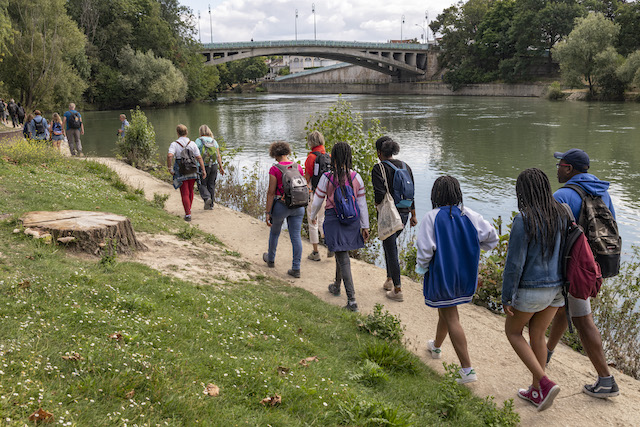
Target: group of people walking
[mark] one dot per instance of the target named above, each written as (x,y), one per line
(449,242)
(12,110)
(69,127)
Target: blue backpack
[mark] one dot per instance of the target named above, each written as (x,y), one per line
(403,189)
(344,201)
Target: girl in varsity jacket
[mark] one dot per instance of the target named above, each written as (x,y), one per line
(449,243)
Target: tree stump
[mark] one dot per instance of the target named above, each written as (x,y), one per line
(92,232)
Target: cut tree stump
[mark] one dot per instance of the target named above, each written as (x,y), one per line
(92,232)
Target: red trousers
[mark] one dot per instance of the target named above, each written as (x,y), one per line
(186,191)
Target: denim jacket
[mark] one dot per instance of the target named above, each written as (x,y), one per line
(525,266)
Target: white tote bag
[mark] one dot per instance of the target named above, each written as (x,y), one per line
(389,220)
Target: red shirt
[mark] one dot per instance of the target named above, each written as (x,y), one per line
(311,158)
(275,171)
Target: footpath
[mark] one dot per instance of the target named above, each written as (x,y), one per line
(500,371)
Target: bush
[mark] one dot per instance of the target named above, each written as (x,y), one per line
(29,151)
(138,146)
(385,325)
(554,92)
(394,358)
(159,200)
(371,414)
(369,374)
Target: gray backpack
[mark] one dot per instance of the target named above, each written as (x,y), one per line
(294,186)
(187,163)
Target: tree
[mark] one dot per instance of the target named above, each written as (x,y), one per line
(5,28)
(577,54)
(629,71)
(628,16)
(46,45)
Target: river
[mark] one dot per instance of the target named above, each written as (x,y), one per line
(484,142)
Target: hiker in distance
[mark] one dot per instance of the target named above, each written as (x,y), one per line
(317,163)
(449,242)
(124,124)
(210,152)
(346,218)
(532,279)
(287,197)
(572,171)
(74,127)
(399,181)
(185,168)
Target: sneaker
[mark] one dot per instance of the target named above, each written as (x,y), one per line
(467,378)
(334,289)
(548,391)
(330,254)
(187,218)
(294,273)
(352,306)
(530,394)
(265,258)
(603,388)
(208,205)
(549,354)
(314,256)
(433,350)
(388,284)
(395,296)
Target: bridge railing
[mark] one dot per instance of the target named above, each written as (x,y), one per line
(316,43)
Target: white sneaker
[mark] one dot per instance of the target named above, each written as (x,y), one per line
(467,378)
(433,350)
(388,285)
(395,296)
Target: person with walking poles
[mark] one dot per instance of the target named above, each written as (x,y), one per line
(186,167)
(210,153)
(287,196)
(73,128)
(398,180)
(317,163)
(448,245)
(346,218)
(532,279)
(584,192)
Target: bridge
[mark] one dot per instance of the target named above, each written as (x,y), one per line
(400,60)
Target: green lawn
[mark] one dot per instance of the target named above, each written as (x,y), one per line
(177,337)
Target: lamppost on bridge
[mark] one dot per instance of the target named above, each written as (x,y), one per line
(296,23)
(313,10)
(401,25)
(199,33)
(424,32)
(211,23)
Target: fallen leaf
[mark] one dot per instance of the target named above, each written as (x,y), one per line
(73,356)
(282,370)
(25,284)
(116,337)
(29,257)
(130,394)
(41,416)
(212,390)
(272,400)
(205,316)
(299,330)
(305,362)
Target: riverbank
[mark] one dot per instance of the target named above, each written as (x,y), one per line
(500,371)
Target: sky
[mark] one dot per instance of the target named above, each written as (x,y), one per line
(346,20)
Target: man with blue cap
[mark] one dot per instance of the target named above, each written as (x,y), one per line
(572,169)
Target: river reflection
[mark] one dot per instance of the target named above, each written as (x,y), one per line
(484,142)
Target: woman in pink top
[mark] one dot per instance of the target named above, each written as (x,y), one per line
(339,237)
(276,211)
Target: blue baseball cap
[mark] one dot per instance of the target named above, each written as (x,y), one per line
(574,157)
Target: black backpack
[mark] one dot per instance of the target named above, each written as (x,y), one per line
(75,122)
(294,186)
(40,127)
(321,165)
(601,230)
(187,163)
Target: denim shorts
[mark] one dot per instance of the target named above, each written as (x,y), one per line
(533,300)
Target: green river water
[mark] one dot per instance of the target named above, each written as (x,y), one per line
(484,142)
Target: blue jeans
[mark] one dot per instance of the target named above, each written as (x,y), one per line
(390,247)
(294,223)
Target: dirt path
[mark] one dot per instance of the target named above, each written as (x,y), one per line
(500,372)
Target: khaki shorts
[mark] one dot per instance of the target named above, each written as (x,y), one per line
(579,307)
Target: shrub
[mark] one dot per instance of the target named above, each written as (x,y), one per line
(159,200)
(371,414)
(187,233)
(394,358)
(29,151)
(138,146)
(385,325)
(554,92)
(370,374)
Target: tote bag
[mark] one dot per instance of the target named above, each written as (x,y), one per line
(389,220)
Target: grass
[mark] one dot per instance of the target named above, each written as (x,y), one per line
(104,342)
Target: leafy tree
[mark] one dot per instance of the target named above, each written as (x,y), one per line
(5,28)
(139,145)
(606,65)
(628,16)
(40,60)
(629,71)
(577,54)
(244,70)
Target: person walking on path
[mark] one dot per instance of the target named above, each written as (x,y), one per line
(12,109)
(342,234)
(124,124)
(73,128)
(38,127)
(448,253)
(26,129)
(386,149)
(181,150)
(572,169)
(315,165)
(57,136)
(276,211)
(210,153)
(532,279)
(21,113)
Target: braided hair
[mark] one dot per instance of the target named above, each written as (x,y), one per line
(341,162)
(446,192)
(543,216)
